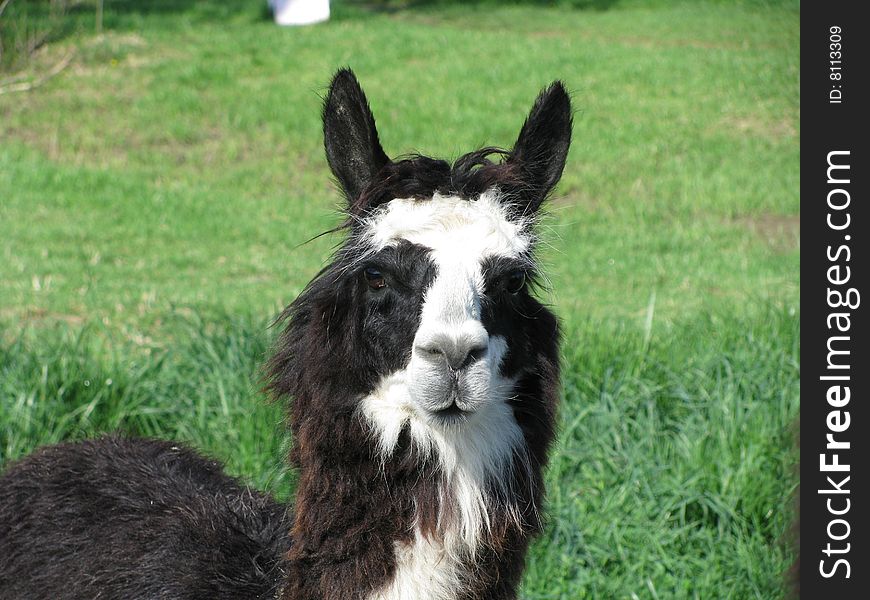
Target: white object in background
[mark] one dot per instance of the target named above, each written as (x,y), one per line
(300,12)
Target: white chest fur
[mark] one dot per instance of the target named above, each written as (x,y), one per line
(428,569)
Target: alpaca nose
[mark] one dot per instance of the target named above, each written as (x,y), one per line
(459,350)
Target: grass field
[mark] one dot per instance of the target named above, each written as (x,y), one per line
(155,196)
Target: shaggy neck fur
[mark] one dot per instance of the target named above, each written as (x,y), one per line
(390,506)
(417,521)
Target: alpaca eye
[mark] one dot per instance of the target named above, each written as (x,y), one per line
(375,278)
(515,282)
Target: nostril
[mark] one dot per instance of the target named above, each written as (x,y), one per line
(474,354)
(431,350)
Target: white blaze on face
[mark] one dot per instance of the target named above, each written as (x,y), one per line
(451,227)
(477,449)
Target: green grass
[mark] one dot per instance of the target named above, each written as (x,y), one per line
(70,383)
(156,194)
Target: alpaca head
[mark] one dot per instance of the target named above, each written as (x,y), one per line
(423,336)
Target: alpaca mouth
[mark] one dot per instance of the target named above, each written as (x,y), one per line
(456,408)
(451,414)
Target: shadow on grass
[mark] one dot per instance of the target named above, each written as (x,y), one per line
(123,13)
(27,25)
(400,5)
(218,9)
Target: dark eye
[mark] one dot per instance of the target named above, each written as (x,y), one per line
(515,282)
(375,278)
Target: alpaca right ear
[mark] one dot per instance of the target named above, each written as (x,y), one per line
(349,135)
(542,146)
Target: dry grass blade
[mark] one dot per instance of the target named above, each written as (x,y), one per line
(26,86)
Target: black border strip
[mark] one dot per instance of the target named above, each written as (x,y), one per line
(833,266)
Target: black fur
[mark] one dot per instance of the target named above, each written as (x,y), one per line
(351,140)
(135,519)
(117,518)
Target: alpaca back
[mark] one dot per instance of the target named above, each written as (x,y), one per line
(134,518)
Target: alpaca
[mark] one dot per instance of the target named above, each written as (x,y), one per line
(423,377)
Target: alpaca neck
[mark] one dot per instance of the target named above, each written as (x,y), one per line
(401,529)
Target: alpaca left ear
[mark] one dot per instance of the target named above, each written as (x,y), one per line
(542,146)
(350,136)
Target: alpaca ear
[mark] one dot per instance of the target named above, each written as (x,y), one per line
(349,135)
(542,146)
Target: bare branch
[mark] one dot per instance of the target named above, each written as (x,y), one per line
(26,86)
